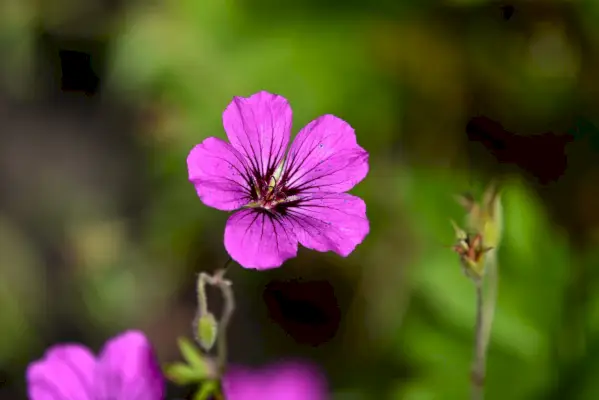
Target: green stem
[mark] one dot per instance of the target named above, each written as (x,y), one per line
(486,302)
(201,293)
(218,280)
(492,282)
(478,366)
(221,339)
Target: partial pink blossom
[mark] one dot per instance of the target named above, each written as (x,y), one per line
(126,369)
(283,198)
(282,381)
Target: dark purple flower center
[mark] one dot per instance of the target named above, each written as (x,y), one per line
(272,194)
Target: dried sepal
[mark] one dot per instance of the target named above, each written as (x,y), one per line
(466,200)
(471,249)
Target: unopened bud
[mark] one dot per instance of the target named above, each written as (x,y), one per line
(206,330)
(485,217)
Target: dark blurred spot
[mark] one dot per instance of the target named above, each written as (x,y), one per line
(543,155)
(77,72)
(507,11)
(3,377)
(307,311)
(187,392)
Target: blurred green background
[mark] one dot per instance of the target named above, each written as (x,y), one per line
(100,231)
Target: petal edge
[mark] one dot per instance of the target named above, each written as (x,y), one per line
(219,174)
(259,127)
(65,370)
(128,369)
(325,156)
(257,239)
(330,222)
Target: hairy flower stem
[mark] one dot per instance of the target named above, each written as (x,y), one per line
(229,298)
(478,367)
(492,281)
(485,312)
(218,280)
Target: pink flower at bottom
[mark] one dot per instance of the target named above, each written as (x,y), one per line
(283,381)
(284,198)
(126,369)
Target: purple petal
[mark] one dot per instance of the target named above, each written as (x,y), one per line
(285,381)
(330,222)
(258,239)
(259,127)
(325,156)
(129,370)
(65,372)
(218,173)
(295,381)
(242,384)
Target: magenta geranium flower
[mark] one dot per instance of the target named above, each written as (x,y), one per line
(281,200)
(126,369)
(283,381)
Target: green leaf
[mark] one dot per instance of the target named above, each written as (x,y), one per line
(207,389)
(192,355)
(182,374)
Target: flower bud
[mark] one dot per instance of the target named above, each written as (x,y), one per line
(206,330)
(484,226)
(485,217)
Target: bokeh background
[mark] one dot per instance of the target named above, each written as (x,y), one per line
(100,231)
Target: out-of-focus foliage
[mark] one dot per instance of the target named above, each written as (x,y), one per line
(194,370)
(16,44)
(407,76)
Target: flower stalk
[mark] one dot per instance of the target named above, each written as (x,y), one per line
(478,255)
(480,354)
(489,306)
(486,300)
(220,329)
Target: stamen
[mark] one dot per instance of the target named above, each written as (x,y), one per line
(287,199)
(272,184)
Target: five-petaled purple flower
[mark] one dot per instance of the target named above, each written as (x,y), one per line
(282,381)
(126,369)
(283,201)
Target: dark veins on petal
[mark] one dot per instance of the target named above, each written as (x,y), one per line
(275,220)
(298,183)
(295,180)
(253,174)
